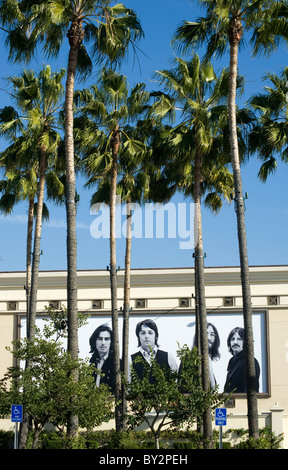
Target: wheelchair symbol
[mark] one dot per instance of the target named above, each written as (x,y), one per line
(220,416)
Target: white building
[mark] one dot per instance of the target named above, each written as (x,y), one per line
(167,296)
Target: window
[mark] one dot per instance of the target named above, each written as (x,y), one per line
(140,303)
(55,304)
(273,300)
(97,304)
(228,301)
(184,302)
(12,305)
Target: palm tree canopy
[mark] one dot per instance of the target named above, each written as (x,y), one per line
(102,109)
(31,125)
(269,136)
(224,22)
(37,100)
(109,29)
(200,97)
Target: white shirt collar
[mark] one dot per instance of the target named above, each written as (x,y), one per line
(147,355)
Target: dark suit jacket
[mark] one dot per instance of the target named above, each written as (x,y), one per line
(107,370)
(236,374)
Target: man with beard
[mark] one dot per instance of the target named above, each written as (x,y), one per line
(236,371)
(213,349)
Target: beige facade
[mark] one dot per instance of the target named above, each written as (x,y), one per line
(170,293)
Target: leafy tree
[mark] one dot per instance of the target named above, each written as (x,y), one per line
(46,387)
(223,27)
(172,399)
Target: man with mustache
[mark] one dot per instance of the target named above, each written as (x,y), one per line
(236,371)
(213,349)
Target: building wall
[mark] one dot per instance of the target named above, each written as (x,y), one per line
(171,292)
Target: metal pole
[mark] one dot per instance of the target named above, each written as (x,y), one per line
(220,437)
(16,436)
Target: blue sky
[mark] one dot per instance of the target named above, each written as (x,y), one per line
(266,206)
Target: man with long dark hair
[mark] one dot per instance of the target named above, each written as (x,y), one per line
(236,371)
(101,348)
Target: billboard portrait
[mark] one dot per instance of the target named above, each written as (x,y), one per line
(166,332)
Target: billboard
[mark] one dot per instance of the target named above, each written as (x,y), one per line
(178,329)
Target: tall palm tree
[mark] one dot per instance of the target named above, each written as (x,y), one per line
(133,187)
(196,164)
(224,26)
(269,136)
(37,97)
(110,29)
(106,108)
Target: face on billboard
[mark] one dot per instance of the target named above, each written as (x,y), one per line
(103,343)
(147,338)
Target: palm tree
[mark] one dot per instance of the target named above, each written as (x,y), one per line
(269,136)
(105,110)
(37,98)
(111,30)
(197,144)
(224,25)
(133,187)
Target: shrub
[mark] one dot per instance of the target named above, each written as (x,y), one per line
(267,440)
(6,439)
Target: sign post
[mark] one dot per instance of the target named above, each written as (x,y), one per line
(16,417)
(220,420)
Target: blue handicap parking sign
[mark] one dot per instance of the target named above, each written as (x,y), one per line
(221,416)
(16,413)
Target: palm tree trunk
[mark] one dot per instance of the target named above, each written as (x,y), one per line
(115,143)
(126,309)
(28,258)
(32,306)
(200,284)
(75,36)
(37,246)
(197,341)
(235,34)
(24,426)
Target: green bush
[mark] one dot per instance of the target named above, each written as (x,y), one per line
(54,440)
(225,445)
(180,440)
(182,445)
(6,439)
(267,440)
